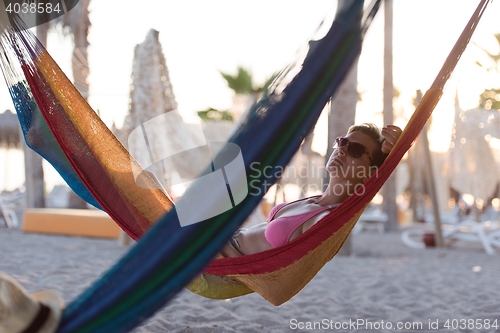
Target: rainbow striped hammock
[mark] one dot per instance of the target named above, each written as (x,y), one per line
(58,123)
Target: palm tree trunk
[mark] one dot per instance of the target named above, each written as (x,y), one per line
(339,122)
(80,67)
(35,185)
(389,189)
(80,55)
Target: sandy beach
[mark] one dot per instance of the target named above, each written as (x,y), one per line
(382,283)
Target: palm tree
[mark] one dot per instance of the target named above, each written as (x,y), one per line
(489,98)
(76,22)
(245,92)
(345,99)
(389,189)
(215,115)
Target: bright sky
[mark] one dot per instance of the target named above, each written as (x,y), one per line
(199,38)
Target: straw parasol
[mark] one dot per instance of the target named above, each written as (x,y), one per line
(153,106)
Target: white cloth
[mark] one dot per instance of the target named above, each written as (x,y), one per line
(473,166)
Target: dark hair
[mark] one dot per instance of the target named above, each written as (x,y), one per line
(373,132)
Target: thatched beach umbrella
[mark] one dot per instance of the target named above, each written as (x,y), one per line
(153,107)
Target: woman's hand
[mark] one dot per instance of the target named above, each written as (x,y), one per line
(391,134)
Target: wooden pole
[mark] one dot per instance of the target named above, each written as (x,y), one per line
(431,184)
(81,72)
(389,188)
(342,115)
(34,178)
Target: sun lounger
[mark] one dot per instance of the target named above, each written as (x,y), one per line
(71,222)
(8,214)
(487,233)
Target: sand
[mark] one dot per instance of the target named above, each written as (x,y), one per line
(383,282)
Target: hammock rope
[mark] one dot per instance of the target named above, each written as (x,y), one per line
(169,256)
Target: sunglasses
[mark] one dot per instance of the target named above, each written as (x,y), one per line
(354,149)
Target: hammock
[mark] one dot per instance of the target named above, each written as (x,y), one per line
(169,256)
(280,273)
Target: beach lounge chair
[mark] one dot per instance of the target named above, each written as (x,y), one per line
(494,238)
(372,218)
(8,214)
(485,232)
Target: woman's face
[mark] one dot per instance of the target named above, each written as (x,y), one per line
(342,165)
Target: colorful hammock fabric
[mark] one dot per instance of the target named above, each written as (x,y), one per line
(280,273)
(58,123)
(169,256)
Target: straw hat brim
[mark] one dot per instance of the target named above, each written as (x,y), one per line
(56,304)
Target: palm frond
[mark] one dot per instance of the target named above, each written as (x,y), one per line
(241,83)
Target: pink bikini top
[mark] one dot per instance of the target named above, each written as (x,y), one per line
(279,231)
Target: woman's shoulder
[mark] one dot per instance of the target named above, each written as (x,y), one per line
(275,209)
(318,217)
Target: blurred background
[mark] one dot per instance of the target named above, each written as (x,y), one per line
(218,58)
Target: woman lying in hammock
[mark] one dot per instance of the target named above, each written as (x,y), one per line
(355,156)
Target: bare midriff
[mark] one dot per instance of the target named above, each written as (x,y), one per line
(253,240)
